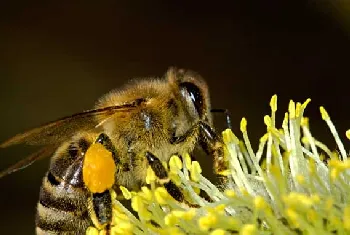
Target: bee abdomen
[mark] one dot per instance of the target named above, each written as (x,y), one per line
(62,207)
(60,197)
(53,221)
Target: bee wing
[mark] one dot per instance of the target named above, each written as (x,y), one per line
(53,133)
(42,153)
(58,131)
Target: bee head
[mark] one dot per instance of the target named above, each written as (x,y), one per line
(193,92)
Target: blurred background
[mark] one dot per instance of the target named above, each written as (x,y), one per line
(59,57)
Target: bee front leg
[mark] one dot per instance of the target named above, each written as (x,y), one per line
(211,143)
(162,175)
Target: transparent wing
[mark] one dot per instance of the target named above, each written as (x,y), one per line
(58,131)
(42,153)
(54,133)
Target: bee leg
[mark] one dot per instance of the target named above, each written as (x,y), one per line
(227,114)
(100,204)
(211,143)
(100,208)
(107,143)
(162,175)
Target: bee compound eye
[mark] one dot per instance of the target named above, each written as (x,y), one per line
(194,94)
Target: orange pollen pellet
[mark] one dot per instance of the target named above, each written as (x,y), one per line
(98,169)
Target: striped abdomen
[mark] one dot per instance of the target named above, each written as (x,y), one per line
(62,206)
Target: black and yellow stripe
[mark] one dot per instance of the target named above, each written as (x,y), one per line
(62,207)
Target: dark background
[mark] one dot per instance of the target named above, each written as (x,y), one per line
(58,58)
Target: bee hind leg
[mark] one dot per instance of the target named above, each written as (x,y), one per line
(100,208)
(100,203)
(107,143)
(163,177)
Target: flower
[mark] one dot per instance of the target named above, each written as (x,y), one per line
(292,184)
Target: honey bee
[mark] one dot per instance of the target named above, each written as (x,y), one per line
(130,129)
